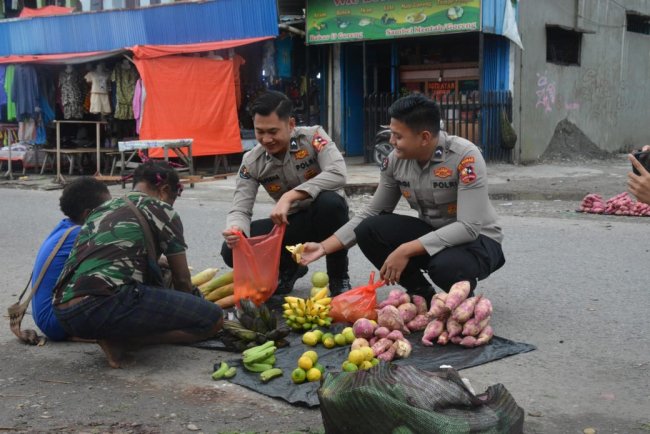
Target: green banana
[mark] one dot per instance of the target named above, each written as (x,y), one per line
(270,374)
(264,346)
(258,356)
(257,367)
(245,335)
(260,326)
(230,372)
(246,320)
(269,360)
(219,373)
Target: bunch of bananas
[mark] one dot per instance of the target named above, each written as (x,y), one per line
(306,314)
(261,359)
(254,326)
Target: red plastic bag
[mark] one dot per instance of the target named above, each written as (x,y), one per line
(356,303)
(256,265)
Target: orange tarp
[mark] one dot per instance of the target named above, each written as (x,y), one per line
(152,51)
(191,97)
(45,11)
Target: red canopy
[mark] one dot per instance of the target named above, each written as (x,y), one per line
(67,58)
(153,51)
(45,11)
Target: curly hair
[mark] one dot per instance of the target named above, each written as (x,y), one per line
(156,173)
(82,194)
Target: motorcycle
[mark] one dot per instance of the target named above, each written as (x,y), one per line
(382,143)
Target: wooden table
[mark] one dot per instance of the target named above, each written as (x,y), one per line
(70,154)
(181,147)
(59,177)
(12,131)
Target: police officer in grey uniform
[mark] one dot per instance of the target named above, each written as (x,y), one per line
(444,178)
(304,172)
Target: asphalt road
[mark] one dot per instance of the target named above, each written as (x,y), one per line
(575,286)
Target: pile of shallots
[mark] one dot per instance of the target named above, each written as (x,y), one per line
(621,204)
(456,318)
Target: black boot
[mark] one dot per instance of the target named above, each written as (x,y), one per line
(339,285)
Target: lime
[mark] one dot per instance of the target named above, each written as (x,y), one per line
(365,365)
(320,279)
(298,376)
(328,342)
(305,363)
(349,335)
(374,361)
(318,333)
(313,355)
(368,353)
(310,338)
(320,367)
(313,374)
(350,367)
(356,357)
(340,340)
(327,336)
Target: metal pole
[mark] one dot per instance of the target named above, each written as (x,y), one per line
(480,89)
(307,92)
(365,73)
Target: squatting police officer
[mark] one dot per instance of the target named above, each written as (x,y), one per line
(304,172)
(444,178)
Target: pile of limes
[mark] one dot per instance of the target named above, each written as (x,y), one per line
(329,340)
(308,368)
(360,359)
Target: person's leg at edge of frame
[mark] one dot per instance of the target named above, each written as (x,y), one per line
(377,238)
(328,213)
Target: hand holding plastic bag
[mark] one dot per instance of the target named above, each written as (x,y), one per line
(356,303)
(256,265)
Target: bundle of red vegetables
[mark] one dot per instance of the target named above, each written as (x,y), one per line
(452,317)
(621,204)
(459,319)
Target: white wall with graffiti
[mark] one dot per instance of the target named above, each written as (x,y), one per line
(607,96)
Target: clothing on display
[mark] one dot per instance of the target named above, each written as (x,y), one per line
(139,96)
(124,76)
(3,94)
(25,91)
(70,88)
(99,99)
(9,82)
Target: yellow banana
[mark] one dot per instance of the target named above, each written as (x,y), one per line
(291,300)
(324,301)
(286,306)
(320,294)
(296,251)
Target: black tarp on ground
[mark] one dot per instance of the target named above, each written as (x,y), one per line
(427,358)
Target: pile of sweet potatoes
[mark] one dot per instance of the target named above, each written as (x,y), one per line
(459,319)
(621,204)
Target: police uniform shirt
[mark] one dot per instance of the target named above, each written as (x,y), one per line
(450,193)
(312,164)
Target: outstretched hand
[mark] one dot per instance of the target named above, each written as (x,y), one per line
(639,185)
(230,237)
(311,252)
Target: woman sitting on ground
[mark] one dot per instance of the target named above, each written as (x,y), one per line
(110,288)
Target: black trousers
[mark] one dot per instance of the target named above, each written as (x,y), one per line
(327,213)
(379,235)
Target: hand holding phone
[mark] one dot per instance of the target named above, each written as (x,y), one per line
(644,159)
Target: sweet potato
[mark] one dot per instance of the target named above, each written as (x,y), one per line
(381,332)
(432,331)
(395,335)
(483,309)
(454,328)
(466,309)
(438,309)
(456,339)
(457,294)
(403,348)
(420,303)
(443,338)
(473,327)
(484,337)
(388,355)
(381,345)
(373,340)
(390,318)
(404,298)
(418,323)
(468,342)
(408,311)
(392,300)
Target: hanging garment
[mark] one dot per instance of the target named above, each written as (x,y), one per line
(9,83)
(139,95)
(25,91)
(44,116)
(3,94)
(124,79)
(99,100)
(71,99)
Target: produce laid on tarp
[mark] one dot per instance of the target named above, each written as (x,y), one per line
(297,350)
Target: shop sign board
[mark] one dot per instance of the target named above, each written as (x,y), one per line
(332,21)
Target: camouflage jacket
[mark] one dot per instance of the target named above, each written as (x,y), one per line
(110,249)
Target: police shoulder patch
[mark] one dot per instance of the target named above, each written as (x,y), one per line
(244,173)
(384,164)
(318,142)
(467,174)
